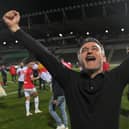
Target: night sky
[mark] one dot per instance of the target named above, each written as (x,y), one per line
(29,6)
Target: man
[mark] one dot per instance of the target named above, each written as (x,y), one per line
(93,97)
(13,73)
(4,75)
(45,76)
(20,74)
(35,72)
(29,89)
(58,101)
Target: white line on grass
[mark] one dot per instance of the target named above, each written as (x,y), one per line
(11,93)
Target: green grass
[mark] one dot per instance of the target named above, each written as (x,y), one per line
(12,111)
(124,121)
(125,101)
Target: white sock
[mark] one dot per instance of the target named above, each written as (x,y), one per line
(36,103)
(27,105)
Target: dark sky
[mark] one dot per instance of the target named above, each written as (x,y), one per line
(34,5)
(28,6)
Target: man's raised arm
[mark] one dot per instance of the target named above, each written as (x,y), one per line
(12,19)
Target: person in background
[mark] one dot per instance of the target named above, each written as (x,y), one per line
(20,74)
(35,72)
(29,89)
(66,64)
(4,75)
(42,82)
(58,102)
(106,65)
(13,73)
(45,76)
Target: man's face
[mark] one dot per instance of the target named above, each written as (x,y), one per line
(31,64)
(91,56)
(21,64)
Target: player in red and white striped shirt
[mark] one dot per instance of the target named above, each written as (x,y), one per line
(29,89)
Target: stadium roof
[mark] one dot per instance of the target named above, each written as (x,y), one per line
(29,6)
(63,16)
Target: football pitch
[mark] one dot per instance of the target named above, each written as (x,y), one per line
(12,111)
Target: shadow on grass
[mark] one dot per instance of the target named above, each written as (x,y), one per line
(124,112)
(3,105)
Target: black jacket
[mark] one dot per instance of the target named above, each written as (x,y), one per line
(57,89)
(92,103)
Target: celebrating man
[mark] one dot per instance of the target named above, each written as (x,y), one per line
(93,96)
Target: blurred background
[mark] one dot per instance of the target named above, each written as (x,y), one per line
(61,25)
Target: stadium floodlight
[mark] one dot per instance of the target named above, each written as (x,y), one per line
(16,41)
(71,32)
(122,29)
(87,33)
(61,35)
(4,43)
(106,31)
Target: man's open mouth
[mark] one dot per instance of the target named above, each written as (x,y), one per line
(90,58)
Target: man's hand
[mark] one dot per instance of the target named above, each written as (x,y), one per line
(12,19)
(55,102)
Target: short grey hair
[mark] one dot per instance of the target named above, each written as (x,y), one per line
(91,39)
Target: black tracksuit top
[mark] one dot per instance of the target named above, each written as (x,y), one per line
(57,89)
(92,103)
